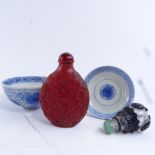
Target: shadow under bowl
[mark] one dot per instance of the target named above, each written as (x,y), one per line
(24,91)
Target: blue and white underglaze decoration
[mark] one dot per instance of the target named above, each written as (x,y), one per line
(107,92)
(110,89)
(24,91)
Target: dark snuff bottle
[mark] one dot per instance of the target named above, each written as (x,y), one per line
(134,118)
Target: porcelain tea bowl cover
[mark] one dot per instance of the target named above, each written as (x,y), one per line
(24,91)
(110,90)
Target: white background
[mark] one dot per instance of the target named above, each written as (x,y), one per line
(97,32)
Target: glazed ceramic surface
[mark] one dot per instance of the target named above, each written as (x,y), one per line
(64,96)
(110,89)
(24,91)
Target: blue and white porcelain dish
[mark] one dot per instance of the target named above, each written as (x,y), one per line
(110,90)
(24,91)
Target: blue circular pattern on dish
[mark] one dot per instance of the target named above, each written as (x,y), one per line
(118,71)
(107,92)
(26,97)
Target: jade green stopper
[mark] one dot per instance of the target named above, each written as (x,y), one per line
(111,126)
(108,128)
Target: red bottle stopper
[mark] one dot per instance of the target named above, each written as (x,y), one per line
(64,96)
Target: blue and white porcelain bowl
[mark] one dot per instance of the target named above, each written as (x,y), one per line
(110,89)
(24,91)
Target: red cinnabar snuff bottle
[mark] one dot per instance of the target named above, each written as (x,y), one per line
(64,96)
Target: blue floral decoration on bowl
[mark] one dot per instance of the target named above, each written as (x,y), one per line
(23,95)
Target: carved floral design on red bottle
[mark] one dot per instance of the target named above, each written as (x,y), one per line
(64,96)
